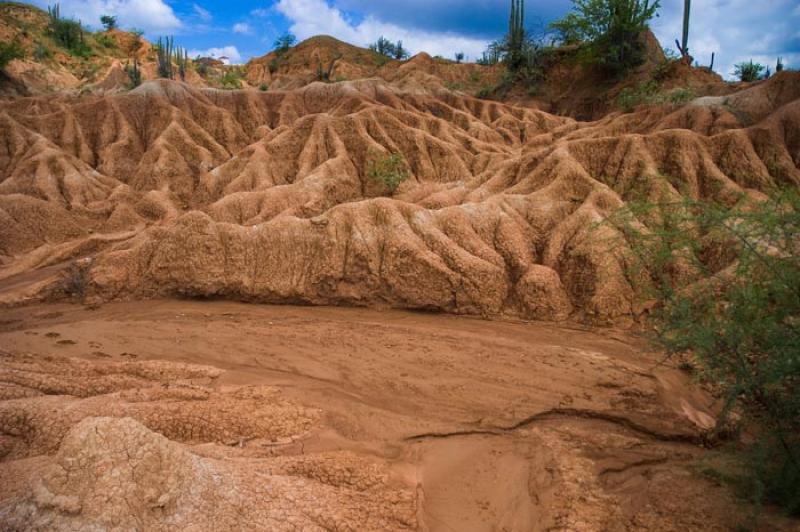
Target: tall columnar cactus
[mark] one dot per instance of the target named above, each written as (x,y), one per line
(515,46)
(164,51)
(182,59)
(687,7)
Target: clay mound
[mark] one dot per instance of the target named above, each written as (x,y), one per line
(326,58)
(112,445)
(266,196)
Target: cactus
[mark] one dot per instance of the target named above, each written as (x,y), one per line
(182,59)
(684,46)
(515,44)
(134,74)
(164,51)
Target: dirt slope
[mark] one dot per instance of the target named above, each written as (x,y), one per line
(174,190)
(344,419)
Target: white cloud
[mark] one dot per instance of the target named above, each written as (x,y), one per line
(243,28)
(735,30)
(149,15)
(228,54)
(316,17)
(204,14)
(260,12)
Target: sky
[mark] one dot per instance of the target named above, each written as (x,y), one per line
(736,30)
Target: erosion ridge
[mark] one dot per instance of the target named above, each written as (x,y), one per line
(175,190)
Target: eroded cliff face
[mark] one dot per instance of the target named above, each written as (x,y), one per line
(173,190)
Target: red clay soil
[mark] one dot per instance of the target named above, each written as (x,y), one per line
(217,416)
(171,190)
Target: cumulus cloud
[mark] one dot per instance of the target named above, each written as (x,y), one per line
(735,30)
(243,28)
(316,17)
(228,54)
(149,15)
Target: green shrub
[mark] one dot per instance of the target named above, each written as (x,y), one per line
(749,71)
(630,97)
(10,51)
(727,285)
(610,30)
(391,169)
(105,41)
(263,87)
(41,52)
(231,79)
(485,92)
(681,96)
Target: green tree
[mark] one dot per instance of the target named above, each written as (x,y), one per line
(727,285)
(283,43)
(610,29)
(749,71)
(109,22)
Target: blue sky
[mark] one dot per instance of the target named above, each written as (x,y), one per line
(736,30)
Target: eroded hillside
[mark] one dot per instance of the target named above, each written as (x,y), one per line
(174,190)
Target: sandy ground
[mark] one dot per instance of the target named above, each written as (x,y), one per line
(473,425)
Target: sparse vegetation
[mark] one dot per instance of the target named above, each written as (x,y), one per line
(105,41)
(650,92)
(609,31)
(391,169)
(459,57)
(231,79)
(387,48)
(484,93)
(750,71)
(263,87)
(41,52)
(324,74)
(67,33)
(75,279)
(10,51)
(739,316)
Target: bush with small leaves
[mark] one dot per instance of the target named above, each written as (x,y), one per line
(749,71)
(737,314)
(75,279)
(391,169)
